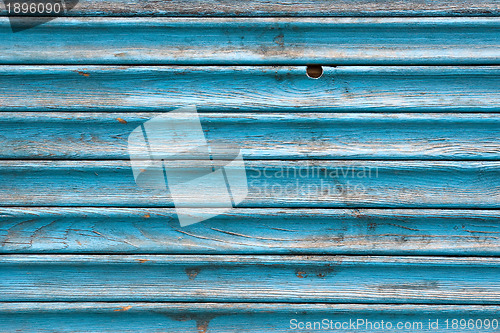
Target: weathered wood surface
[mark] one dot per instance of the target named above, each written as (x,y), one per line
(397,184)
(253,41)
(229,317)
(262,135)
(205,8)
(83,232)
(243,89)
(229,278)
(252,231)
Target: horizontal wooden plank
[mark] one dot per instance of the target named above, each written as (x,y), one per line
(262,136)
(205,8)
(253,41)
(239,88)
(397,184)
(251,231)
(236,317)
(205,278)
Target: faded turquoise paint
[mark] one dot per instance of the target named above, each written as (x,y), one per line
(77,233)
(206,278)
(269,135)
(271,184)
(251,231)
(262,89)
(221,317)
(256,41)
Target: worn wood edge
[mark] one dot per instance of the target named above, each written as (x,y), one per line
(310,117)
(87,135)
(272,261)
(282,8)
(303,279)
(271,183)
(251,231)
(221,317)
(237,307)
(254,41)
(249,89)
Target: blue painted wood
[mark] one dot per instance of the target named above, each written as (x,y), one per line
(252,231)
(203,278)
(353,184)
(204,8)
(87,135)
(228,317)
(276,253)
(250,89)
(253,41)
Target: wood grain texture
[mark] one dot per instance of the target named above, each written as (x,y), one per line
(251,231)
(397,184)
(250,89)
(225,317)
(205,278)
(71,231)
(262,135)
(205,8)
(253,41)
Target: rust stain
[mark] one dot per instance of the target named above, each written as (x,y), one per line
(301,274)
(122,121)
(280,40)
(202,321)
(83,74)
(78,242)
(202,325)
(125,308)
(357,213)
(192,273)
(320,272)
(142,261)
(147,216)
